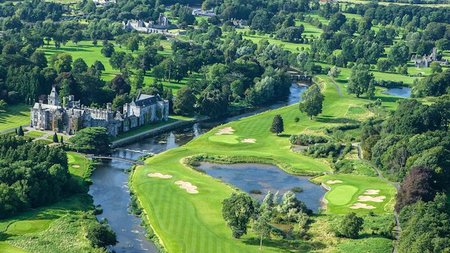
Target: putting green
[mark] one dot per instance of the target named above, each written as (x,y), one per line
(28,226)
(341,195)
(229,139)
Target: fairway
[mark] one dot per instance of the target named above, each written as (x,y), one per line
(193,222)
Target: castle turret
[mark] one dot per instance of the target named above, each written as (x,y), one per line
(53,98)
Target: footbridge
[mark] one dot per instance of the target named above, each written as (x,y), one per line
(113,158)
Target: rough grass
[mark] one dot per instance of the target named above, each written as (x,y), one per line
(14,116)
(194,223)
(59,227)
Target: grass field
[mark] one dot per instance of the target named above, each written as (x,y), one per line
(14,116)
(193,222)
(91,53)
(55,228)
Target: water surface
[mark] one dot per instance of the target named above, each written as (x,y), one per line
(403,92)
(251,177)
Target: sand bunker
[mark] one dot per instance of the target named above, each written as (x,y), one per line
(248,140)
(159,175)
(371,192)
(372,199)
(75,166)
(362,206)
(226,130)
(190,188)
(334,181)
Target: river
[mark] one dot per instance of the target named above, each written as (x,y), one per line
(110,190)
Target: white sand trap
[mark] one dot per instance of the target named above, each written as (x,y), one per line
(334,182)
(362,206)
(372,199)
(372,192)
(159,175)
(248,140)
(190,188)
(75,166)
(225,130)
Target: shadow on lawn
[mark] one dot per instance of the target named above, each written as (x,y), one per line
(291,245)
(332,119)
(66,49)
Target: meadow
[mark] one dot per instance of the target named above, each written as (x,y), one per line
(193,222)
(13,116)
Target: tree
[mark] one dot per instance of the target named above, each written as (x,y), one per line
(417,185)
(360,79)
(277,125)
(98,65)
(20,131)
(312,101)
(62,62)
(107,49)
(213,103)
(91,140)
(55,138)
(101,235)
(435,67)
(133,43)
(38,58)
(399,54)
(334,72)
(237,211)
(79,66)
(184,101)
(350,226)
(262,226)
(120,85)
(61,139)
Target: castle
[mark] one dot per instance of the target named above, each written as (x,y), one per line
(424,61)
(71,116)
(161,25)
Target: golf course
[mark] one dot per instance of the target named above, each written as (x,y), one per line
(192,222)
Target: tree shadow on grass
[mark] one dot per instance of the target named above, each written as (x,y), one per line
(290,245)
(332,119)
(67,49)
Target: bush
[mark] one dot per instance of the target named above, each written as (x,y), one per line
(325,150)
(101,235)
(350,226)
(305,140)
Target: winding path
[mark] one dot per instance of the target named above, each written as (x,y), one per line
(397,229)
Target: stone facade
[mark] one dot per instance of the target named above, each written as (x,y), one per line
(424,61)
(71,116)
(161,25)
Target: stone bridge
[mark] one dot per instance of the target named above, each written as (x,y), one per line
(137,162)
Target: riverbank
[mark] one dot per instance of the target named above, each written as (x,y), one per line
(193,222)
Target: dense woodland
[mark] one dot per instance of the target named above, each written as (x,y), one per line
(31,175)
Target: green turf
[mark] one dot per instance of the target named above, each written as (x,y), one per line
(7,248)
(193,222)
(34,134)
(343,195)
(366,245)
(145,128)
(290,46)
(230,139)
(14,116)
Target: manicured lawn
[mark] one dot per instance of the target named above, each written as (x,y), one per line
(14,116)
(345,194)
(145,128)
(34,134)
(366,245)
(290,46)
(193,222)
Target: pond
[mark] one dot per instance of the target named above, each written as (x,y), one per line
(110,190)
(403,92)
(251,178)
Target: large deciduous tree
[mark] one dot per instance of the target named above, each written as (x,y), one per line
(237,211)
(359,80)
(312,101)
(184,102)
(91,140)
(350,226)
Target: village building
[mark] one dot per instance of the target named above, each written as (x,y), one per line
(204,13)
(70,116)
(426,60)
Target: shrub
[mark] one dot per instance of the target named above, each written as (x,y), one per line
(305,140)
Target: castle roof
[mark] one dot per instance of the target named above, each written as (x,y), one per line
(146,100)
